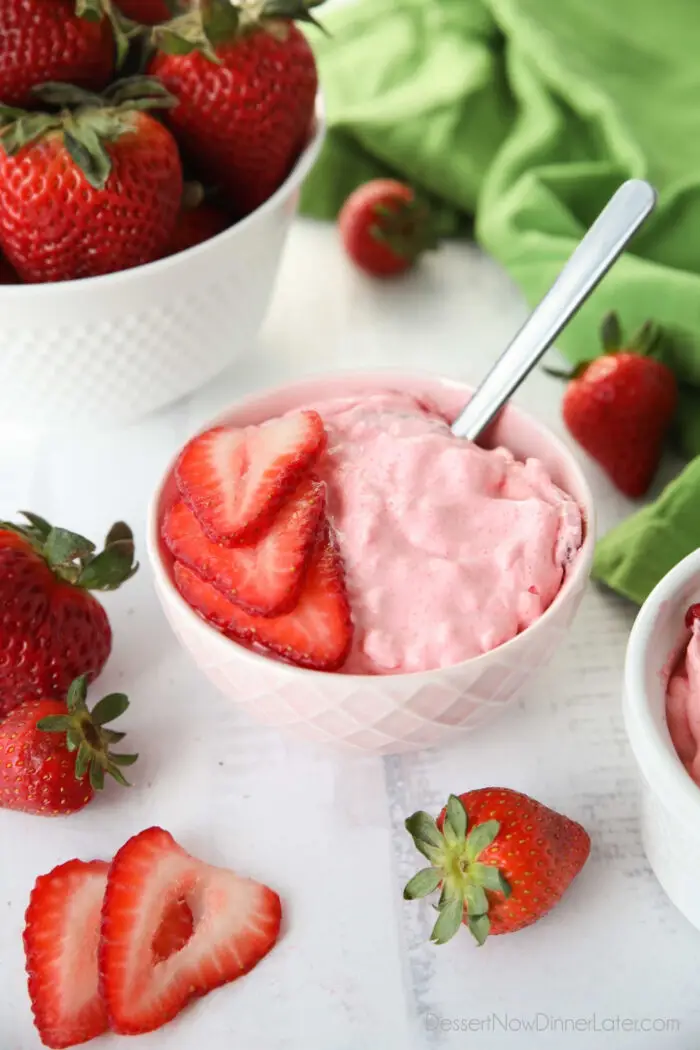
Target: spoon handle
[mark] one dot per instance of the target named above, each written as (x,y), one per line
(603,243)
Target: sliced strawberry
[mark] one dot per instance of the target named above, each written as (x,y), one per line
(61,937)
(317,633)
(236,923)
(235,480)
(265,579)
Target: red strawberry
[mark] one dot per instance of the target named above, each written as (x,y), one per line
(55,754)
(317,633)
(151,12)
(384,228)
(61,936)
(265,579)
(692,614)
(501,859)
(61,942)
(197,221)
(52,629)
(235,480)
(246,96)
(42,40)
(237,922)
(620,406)
(102,184)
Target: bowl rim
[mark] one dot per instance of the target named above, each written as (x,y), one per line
(654,751)
(304,163)
(580,569)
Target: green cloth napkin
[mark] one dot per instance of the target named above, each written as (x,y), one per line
(527,114)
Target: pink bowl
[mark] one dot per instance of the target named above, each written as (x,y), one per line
(389,713)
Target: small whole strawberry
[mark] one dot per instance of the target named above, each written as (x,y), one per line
(197,221)
(384,228)
(500,859)
(620,406)
(43,40)
(92,189)
(55,754)
(245,79)
(52,629)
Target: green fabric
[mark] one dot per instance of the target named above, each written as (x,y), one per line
(633,557)
(527,114)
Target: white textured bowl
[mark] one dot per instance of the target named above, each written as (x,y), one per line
(669,799)
(380,713)
(111,349)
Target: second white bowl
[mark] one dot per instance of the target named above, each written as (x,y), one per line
(669,798)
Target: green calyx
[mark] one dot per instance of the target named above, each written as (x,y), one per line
(217,22)
(88,122)
(74,559)
(405,227)
(85,734)
(646,340)
(456,870)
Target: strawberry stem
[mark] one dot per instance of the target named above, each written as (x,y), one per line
(453,853)
(85,734)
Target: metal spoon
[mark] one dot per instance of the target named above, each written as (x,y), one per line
(617,223)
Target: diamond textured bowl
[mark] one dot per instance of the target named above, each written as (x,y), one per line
(108,350)
(669,798)
(384,714)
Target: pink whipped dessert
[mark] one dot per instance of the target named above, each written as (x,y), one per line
(683,703)
(449,550)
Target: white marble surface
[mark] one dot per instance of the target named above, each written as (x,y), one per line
(614,966)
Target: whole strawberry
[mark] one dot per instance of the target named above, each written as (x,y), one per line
(619,407)
(52,629)
(385,228)
(500,859)
(92,189)
(43,40)
(55,753)
(151,12)
(246,88)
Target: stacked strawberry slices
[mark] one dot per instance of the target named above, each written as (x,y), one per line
(254,553)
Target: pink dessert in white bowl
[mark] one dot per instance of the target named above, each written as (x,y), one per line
(683,699)
(461,567)
(449,549)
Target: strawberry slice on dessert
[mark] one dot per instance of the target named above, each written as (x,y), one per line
(237,923)
(235,480)
(317,633)
(61,936)
(265,579)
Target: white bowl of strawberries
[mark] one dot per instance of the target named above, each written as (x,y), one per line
(144,204)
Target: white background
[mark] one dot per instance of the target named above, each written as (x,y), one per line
(353,969)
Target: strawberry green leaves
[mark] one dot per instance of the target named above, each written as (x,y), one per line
(85,734)
(72,557)
(464,880)
(87,122)
(423,883)
(646,340)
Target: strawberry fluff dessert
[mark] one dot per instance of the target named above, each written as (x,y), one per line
(683,699)
(360,535)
